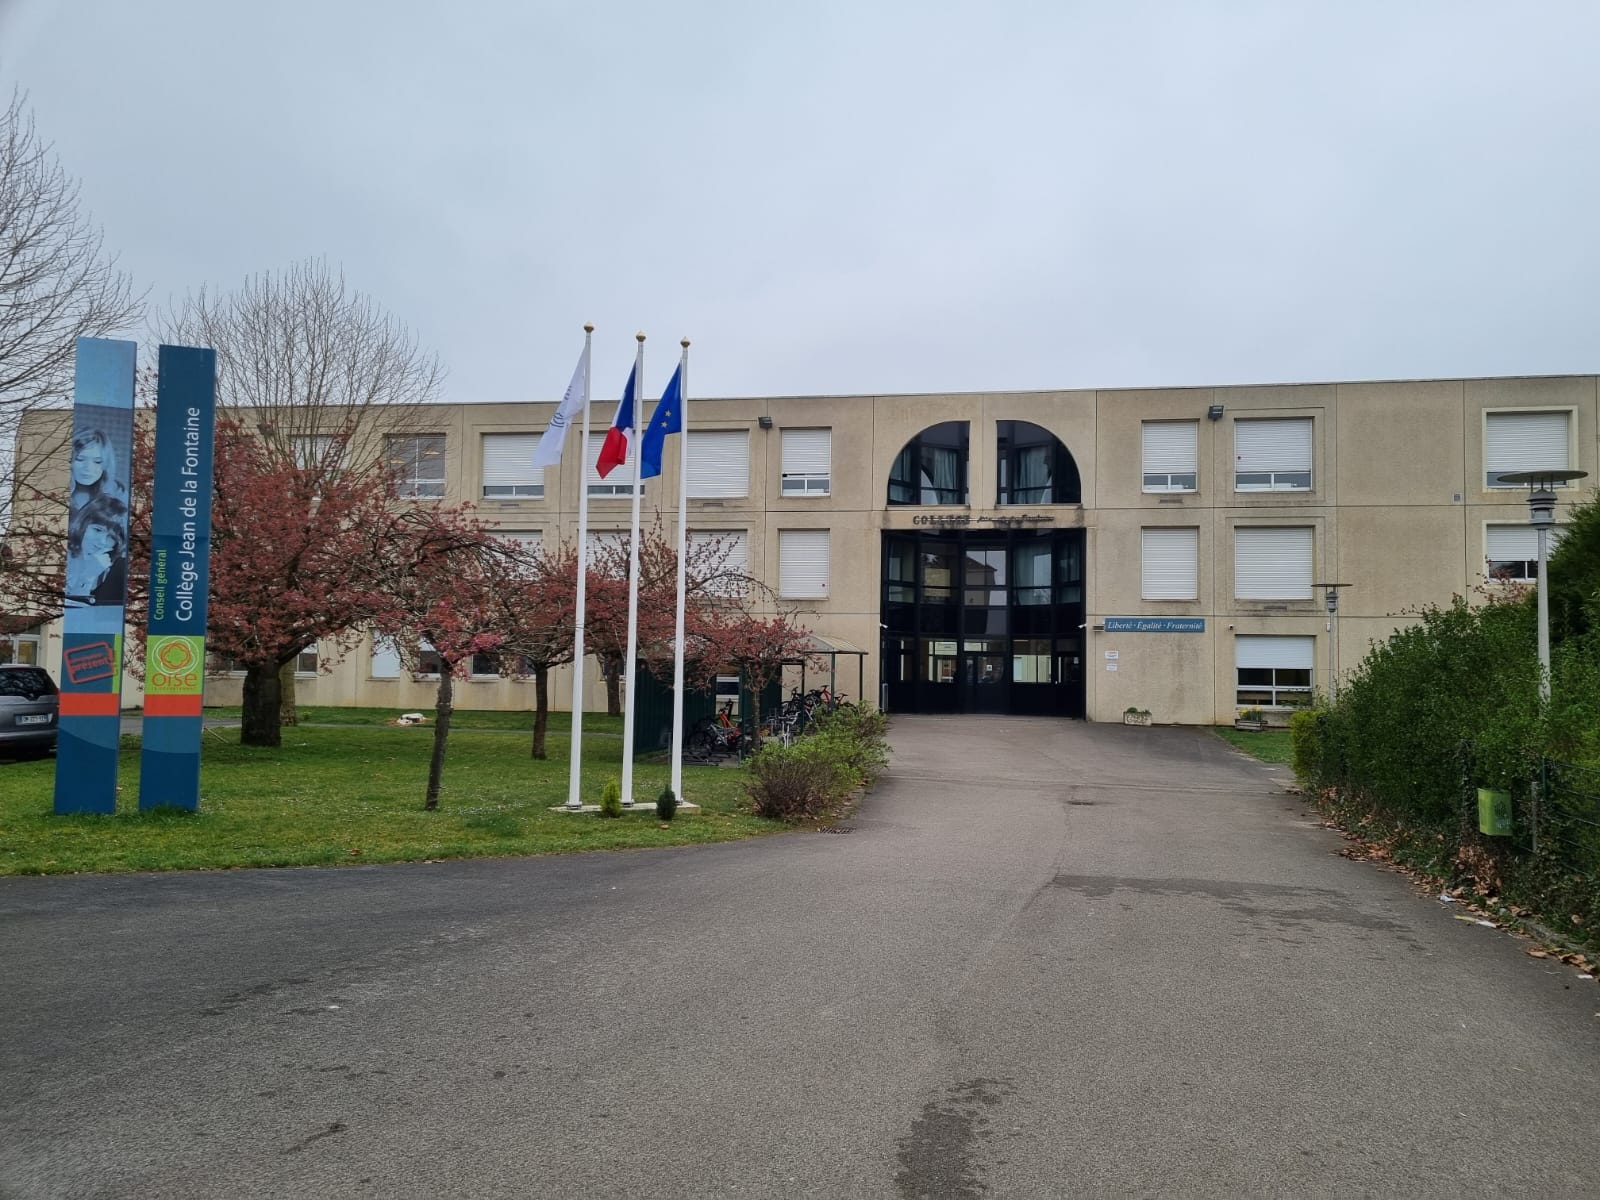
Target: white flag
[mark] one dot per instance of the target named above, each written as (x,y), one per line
(548,453)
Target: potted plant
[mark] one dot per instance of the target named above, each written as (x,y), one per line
(1134,715)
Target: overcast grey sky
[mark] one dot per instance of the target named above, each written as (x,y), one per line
(878,195)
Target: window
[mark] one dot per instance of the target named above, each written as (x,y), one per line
(723,555)
(385,659)
(306,661)
(1170,564)
(1272,456)
(608,551)
(310,451)
(20,647)
(807,462)
(1034,467)
(526,541)
(719,464)
(1512,551)
(1525,441)
(417,464)
(1272,563)
(1273,672)
(620,481)
(803,564)
(428,660)
(485,663)
(508,470)
(1171,454)
(932,467)
(728,692)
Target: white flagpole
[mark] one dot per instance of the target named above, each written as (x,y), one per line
(631,668)
(683,546)
(574,783)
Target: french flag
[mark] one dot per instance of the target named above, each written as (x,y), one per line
(614,452)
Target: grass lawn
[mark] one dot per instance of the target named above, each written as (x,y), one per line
(461,718)
(354,794)
(1269,745)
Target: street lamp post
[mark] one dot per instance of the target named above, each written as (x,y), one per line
(1330,597)
(1542,516)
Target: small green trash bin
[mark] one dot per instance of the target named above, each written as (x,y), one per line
(1494,812)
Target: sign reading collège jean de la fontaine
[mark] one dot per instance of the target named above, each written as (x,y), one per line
(1155,624)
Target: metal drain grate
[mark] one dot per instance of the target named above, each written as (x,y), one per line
(837,829)
(1081,803)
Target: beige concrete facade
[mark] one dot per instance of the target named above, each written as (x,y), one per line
(1398,508)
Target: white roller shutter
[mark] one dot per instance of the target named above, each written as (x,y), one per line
(1272,562)
(803,564)
(735,545)
(620,481)
(807,461)
(1274,653)
(1511,543)
(719,464)
(1170,564)
(1525,441)
(1276,445)
(508,470)
(607,544)
(1171,447)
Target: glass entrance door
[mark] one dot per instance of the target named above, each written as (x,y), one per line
(984,676)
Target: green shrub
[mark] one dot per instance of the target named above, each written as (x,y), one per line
(1305,739)
(666,805)
(611,798)
(857,738)
(794,782)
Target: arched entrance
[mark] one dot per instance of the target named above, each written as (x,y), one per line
(983,621)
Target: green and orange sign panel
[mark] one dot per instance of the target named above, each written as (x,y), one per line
(180,552)
(96,578)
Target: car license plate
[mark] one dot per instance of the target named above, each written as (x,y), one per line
(34,719)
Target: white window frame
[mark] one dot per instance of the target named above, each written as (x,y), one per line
(1290,658)
(620,481)
(1171,464)
(310,450)
(804,563)
(1274,468)
(1531,449)
(1508,538)
(308,661)
(410,483)
(507,461)
(807,462)
(601,538)
(1169,562)
(1257,577)
(718,464)
(11,645)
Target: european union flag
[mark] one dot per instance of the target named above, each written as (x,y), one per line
(668,418)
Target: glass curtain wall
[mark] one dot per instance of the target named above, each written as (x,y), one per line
(984,622)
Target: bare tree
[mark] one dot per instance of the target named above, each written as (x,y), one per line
(329,373)
(56,285)
(323,375)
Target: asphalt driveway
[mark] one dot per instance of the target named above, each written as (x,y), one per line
(1046,959)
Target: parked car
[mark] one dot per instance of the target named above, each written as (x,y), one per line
(30,711)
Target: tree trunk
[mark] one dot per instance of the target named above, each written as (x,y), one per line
(613,673)
(288,712)
(258,718)
(441,730)
(541,708)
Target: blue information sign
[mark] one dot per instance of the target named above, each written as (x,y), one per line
(180,554)
(1155,624)
(96,583)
